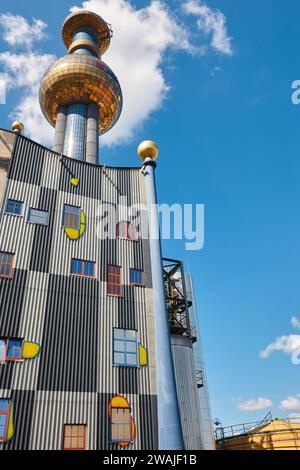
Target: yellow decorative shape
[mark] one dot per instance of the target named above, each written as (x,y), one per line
(10,429)
(143,356)
(119,402)
(74,234)
(30,350)
(75,182)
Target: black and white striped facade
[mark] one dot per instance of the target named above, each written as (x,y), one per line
(73,379)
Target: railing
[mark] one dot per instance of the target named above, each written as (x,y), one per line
(241,429)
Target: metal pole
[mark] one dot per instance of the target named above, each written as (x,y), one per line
(169,423)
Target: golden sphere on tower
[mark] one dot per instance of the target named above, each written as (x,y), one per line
(18,126)
(148,148)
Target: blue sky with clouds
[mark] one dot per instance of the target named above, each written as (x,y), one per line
(212,85)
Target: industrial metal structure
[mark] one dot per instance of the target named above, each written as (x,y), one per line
(97,345)
(268,434)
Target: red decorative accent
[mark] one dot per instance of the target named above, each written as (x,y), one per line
(6,260)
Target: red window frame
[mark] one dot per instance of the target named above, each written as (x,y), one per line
(7,276)
(82,270)
(84,426)
(114,280)
(11,358)
(125,232)
(142,284)
(5,413)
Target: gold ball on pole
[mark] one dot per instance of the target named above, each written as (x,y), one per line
(148,148)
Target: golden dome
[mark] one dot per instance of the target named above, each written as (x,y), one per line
(18,126)
(148,148)
(78,78)
(87,19)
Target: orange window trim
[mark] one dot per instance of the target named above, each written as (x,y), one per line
(8,276)
(84,426)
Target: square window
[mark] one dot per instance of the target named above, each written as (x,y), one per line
(71,218)
(83,268)
(125,348)
(136,277)
(38,217)
(14,350)
(6,264)
(75,437)
(14,207)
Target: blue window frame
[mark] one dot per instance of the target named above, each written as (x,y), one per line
(4,418)
(125,348)
(38,217)
(3,342)
(137,277)
(71,217)
(14,207)
(83,268)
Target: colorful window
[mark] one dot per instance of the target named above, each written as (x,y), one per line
(4,418)
(75,437)
(127,230)
(125,348)
(137,277)
(114,281)
(11,349)
(6,264)
(83,268)
(38,217)
(14,207)
(71,218)
(121,427)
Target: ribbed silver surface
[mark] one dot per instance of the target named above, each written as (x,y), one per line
(73,379)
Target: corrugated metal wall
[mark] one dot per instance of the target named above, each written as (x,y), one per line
(73,379)
(187,391)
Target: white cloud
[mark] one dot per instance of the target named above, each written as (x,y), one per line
(212,23)
(254,404)
(140,42)
(287,344)
(290,404)
(295,322)
(18,32)
(24,71)
(142,38)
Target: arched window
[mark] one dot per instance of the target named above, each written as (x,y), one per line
(127,231)
(122,426)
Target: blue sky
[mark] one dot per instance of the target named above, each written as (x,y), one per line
(229,138)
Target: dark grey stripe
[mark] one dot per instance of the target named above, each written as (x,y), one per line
(69,359)
(43,235)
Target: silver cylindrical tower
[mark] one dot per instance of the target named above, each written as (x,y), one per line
(169,424)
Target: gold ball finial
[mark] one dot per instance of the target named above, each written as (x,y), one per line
(148,148)
(18,126)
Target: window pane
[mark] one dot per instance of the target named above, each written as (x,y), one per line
(67,443)
(92,269)
(119,358)
(6,261)
(131,359)
(136,276)
(131,335)
(14,207)
(38,217)
(14,349)
(80,442)
(2,432)
(68,431)
(2,348)
(132,232)
(72,217)
(119,345)
(119,334)
(3,405)
(131,347)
